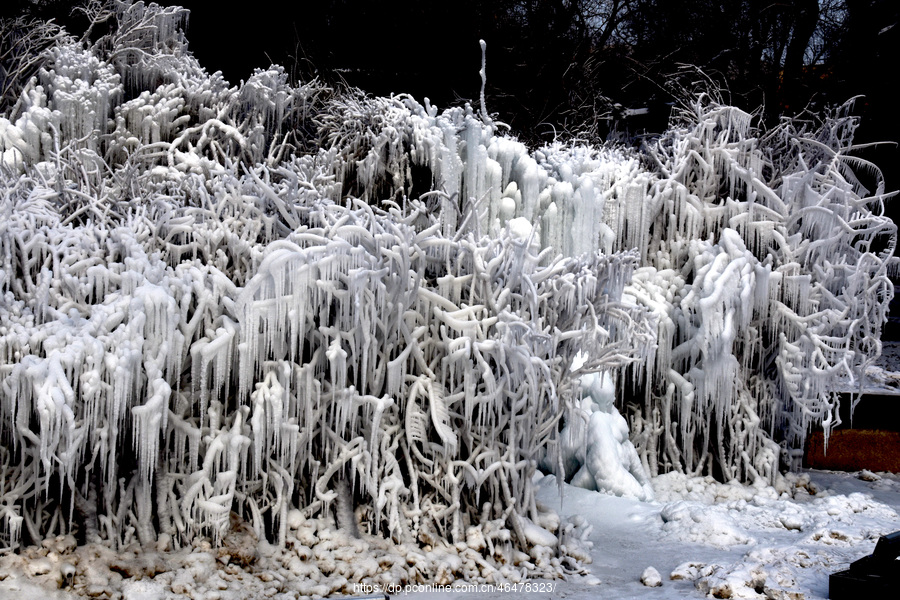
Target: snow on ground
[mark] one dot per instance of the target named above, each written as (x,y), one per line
(727,540)
(703,537)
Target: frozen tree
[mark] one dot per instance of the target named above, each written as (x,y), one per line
(766,264)
(22,45)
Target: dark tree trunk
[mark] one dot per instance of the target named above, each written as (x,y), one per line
(806,17)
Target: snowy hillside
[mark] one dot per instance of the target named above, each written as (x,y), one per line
(283,311)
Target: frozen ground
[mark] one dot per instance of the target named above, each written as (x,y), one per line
(732,541)
(723,540)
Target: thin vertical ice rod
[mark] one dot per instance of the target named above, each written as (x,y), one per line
(483,72)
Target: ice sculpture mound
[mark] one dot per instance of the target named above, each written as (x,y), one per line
(596,451)
(287,310)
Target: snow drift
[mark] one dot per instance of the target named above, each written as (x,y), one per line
(230,303)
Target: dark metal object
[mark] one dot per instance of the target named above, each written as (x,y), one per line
(873,576)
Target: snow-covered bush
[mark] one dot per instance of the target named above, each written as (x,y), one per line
(200,321)
(239,302)
(766,265)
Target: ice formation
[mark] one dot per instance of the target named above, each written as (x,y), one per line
(208,312)
(246,301)
(768,271)
(594,447)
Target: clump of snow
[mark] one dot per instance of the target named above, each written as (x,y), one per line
(687,570)
(651,577)
(867,475)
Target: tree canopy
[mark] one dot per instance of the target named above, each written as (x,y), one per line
(589,67)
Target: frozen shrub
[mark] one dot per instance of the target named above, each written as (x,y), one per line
(199,319)
(269,300)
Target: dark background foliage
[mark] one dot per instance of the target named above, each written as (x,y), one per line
(569,65)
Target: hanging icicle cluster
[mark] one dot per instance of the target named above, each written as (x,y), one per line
(767,268)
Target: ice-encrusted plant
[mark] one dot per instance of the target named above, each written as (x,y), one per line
(201,320)
(767,264)
(246,301)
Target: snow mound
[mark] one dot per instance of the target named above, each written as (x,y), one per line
(815,535)
(651,577)
(595,450)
